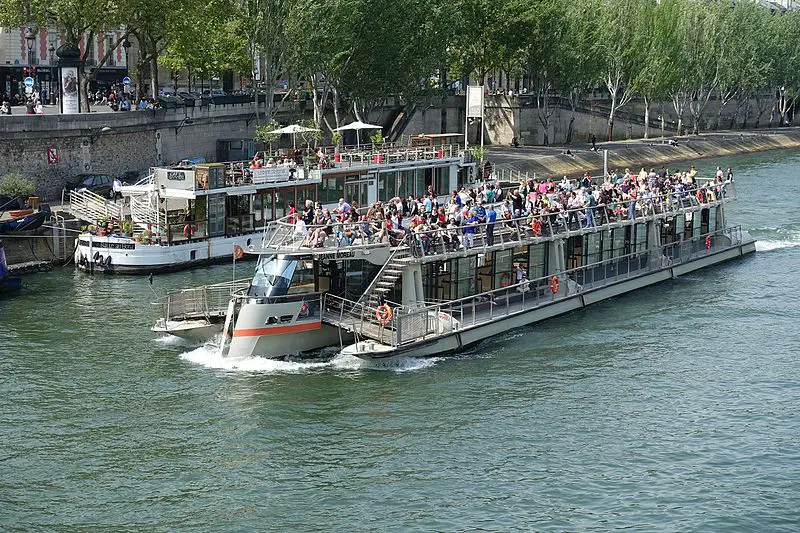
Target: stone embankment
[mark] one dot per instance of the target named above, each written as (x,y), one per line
(641,153)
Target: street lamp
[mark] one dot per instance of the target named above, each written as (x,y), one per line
(52,49)
(126,44)
(30,38)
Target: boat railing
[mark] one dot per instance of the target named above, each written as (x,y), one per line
(519,228)
(435,319)
(201,302)
(385,154)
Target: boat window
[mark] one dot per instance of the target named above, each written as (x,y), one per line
(641,237)
(608,245)
(273,276)
(502,268)
(442,183)
(537,261)
(687,227)
(712,220)
(593,249)
(303,279)
(465,276)
(619,242)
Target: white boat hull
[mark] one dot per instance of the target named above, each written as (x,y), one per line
(468,336)
(126,256)
(199,330)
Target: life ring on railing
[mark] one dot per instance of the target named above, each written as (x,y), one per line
(189,230)
(536,227)
(708,242)
(554,284)
(384,314)
(304,309)
(505,279)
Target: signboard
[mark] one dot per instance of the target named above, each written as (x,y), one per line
(28,82)
(270,175)
(175,179)
(52,155)
(126,80)
(475,101)
(69,91)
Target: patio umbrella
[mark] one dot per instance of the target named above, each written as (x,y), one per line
(358,126)
(294,129)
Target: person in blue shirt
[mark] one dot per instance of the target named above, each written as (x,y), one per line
(491,218)
(469,230)
(428,205)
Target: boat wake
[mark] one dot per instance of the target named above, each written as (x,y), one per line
(172,340)
(769,245)
(770,239)
(208,356)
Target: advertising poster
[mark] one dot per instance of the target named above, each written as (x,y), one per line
(475,101)
(69,90)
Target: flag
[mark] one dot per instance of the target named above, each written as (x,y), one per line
(238,253)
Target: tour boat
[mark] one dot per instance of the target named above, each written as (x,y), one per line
(184,216)
(436,292)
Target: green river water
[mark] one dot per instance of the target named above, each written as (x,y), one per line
(675,408)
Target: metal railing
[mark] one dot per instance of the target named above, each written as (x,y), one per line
(532,228)
(408,325)
(201,302)
(92,207)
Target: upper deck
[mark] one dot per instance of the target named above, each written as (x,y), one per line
(297,168)
(339,240)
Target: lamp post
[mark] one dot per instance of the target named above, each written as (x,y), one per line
(30,39)
(53,73)
(126,44)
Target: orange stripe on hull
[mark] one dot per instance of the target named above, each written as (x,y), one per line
(276,330)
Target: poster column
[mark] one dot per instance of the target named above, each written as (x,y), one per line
(69,80)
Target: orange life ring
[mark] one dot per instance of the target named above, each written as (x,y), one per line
(708,242)
(189,230)
(554,284)
(536,227)
(304,310)
(384,314)
(505,278)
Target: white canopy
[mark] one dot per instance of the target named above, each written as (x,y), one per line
(294,128)
(358,125)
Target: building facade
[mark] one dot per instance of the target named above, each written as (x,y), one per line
(22,57)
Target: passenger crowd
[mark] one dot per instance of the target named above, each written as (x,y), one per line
(538,207)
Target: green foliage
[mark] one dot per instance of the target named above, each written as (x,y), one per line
(377,138)
(336,138)
(14,184)
(263,132)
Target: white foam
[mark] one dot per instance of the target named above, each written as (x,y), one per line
(172,340)
(768,246)
(209,357)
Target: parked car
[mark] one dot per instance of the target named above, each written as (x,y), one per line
(97,183)
(9,203)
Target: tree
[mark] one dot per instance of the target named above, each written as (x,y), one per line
(617,50)
(77,22)
(787,56)
(659,44)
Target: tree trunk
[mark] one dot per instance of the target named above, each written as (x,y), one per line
(610,130)
(154,76)
(646,118)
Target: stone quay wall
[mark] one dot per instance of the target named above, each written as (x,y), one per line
(52,149)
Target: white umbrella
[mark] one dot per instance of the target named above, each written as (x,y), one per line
(294,129)
(358,126)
